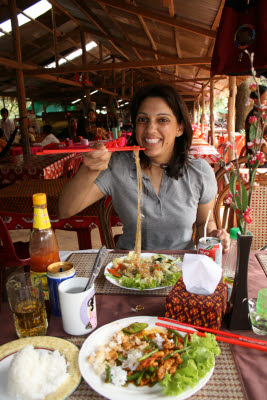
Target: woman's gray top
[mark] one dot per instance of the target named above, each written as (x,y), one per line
(167,218)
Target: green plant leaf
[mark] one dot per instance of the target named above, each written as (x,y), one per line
(252,132)
(238,202)
(232,184)
(244,197)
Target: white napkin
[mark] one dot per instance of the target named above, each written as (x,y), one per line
(201,274)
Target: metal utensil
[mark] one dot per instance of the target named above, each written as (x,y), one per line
(100,258)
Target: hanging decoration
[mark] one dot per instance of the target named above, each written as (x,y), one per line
(82,78)
(243,26)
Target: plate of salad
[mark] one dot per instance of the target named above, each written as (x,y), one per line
(133,358)
(155,271)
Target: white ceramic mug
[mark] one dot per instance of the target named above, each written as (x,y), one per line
(78,308)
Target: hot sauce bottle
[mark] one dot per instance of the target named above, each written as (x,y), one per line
(43,242)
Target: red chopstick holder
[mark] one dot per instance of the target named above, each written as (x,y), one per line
(222,333)
(218,338)
(61,151)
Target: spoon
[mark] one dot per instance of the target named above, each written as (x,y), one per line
(100,258)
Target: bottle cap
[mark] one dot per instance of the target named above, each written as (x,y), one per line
(233,233)
(261,305)
(39,199)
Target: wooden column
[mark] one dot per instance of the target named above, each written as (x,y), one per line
(132,80)
(54,34)
(231,115)
(212,135)
(198,113)
(123,84)
(194,112)
(33,110)
(203,109)
(100,52)
(20,80)
(84,61)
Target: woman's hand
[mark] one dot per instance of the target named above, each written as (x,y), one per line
(98,159)
(224,237)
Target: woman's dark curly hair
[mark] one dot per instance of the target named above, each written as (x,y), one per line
(254,94)
(182,145)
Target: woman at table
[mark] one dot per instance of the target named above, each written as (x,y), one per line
(178,190)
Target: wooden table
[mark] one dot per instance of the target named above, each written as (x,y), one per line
(240,373)
(32,167)
(17,211)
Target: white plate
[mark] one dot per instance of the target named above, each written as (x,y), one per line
(48,343)
(131,392)
(116,283)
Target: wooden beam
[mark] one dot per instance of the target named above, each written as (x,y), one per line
(123,65)
(160,17)
(54,34)
(13,64)
(203,109)
(84,61)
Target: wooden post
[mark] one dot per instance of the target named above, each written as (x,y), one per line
(100,52)
(194,112)
(198,113)
(203,109)
(231,115)
(212,134)
(33,110)
(20,80)
(54,34)
(132,80)
(84,61)
(123,84)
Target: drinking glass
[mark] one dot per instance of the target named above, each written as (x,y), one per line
(26,300)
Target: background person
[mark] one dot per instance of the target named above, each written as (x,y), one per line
(50,138)
(6,124)
(3,142)
(93,131)
(178,190)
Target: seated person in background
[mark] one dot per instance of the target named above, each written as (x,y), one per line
(3,142)
(50,138)
(92,131)
(17,140)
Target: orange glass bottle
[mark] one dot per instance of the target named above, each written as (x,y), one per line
(43,241)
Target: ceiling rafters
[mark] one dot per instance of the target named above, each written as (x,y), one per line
(170,5)
(118,25)
(99,25)
(160,17)
(123,65)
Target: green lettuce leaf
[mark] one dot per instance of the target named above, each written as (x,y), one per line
(197,361)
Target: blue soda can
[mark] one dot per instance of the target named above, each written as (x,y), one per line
(56,273)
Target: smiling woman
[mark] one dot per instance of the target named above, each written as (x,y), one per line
(178,190)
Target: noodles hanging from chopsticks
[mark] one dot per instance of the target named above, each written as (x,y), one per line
(137,247)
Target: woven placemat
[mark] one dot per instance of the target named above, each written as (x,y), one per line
(224,383)
(262,258)
(83,264)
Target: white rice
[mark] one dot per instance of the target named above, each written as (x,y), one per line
(132,358)
(158,340)
(33,373)
(118,376)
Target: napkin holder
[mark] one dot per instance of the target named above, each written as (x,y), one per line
(200,310)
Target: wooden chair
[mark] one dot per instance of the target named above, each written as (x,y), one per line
(11,254)
(258,227)
(221,176)
(72,166)
(107,219)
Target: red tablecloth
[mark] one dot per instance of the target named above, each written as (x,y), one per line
(251,364)
(17,150)
(33,167)
(207,152)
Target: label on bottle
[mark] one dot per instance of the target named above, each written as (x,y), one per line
(229,280)
(41,218)
(43,276)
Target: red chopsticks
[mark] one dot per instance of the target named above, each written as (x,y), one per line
(230,337)
(59,151)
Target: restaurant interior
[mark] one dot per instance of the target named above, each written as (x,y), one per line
(62,61)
